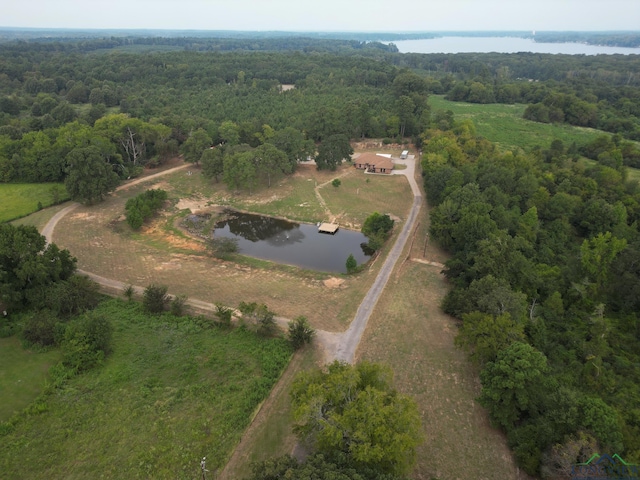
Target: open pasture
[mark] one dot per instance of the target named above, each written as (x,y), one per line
(173,391)
(504,125)
(21,199)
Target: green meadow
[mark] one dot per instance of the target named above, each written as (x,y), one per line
(22,376)
(21,199)
(504,125)
(174,390)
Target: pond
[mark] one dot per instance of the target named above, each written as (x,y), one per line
(291,243)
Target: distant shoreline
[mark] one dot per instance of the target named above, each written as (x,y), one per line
(609,38)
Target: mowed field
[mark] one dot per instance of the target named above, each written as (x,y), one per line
(99,237)
(23,374)
(504,125)
(21,199)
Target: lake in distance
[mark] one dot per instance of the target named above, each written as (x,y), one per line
(505,45)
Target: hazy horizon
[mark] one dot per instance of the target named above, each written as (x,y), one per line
(358,16)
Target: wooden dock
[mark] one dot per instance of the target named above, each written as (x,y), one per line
(328,228)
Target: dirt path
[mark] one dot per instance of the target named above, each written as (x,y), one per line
(346,344)
(330,216)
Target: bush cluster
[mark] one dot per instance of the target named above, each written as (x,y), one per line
(377,227)
(143,206)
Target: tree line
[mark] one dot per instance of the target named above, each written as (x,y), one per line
(544,247)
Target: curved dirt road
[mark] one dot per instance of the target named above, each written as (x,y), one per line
(338,346)
(48,229)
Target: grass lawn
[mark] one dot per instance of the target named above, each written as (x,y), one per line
(171,393)
(271,434)
(22,376)
(504,125)
(359,195)
(21,199)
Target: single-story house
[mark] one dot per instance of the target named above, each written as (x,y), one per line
(374,163)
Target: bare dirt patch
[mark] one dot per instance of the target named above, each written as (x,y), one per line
(334,282)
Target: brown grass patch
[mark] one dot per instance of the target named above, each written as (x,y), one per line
(106,246)
(409,331)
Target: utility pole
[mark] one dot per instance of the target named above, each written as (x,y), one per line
(203,467)
(426,244)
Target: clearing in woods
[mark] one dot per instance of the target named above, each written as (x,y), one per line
(407,329)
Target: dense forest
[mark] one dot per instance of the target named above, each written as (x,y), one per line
(544,273)
(545,247)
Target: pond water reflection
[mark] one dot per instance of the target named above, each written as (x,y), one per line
(292,243)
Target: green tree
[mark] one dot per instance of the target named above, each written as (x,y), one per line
(376,224)
(89,176)
(240,171)
(28,266)
(514,385)
(483,336)
(293,143)
(229,133)
(333,151)
(270,161)
(300,332)
(143,206)
(315,467)
(155,298)
(195,146)
(351,264)
(355,411)
(212,161)
(597,255)
(135,139)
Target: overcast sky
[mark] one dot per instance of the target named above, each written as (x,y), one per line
(325,15)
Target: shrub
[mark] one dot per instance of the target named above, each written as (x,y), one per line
(129,291)
(300,332)
(259,314)
(177,305)
(143,206)
(87,341)
(224,315)
(351,264)
(336,182)
(74,296)
(222,247)
(155,298)
(40,328)
(266,320)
